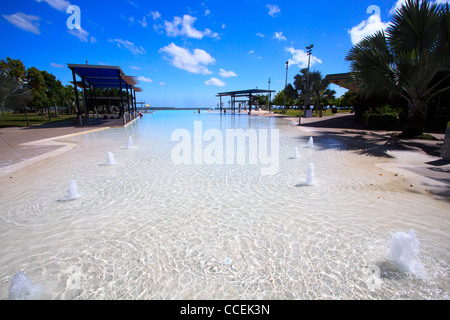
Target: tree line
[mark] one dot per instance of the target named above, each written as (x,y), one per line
(32,90)
(317,88)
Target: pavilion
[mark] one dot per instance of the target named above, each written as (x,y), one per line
(100,76)
(343,80)
(240,94)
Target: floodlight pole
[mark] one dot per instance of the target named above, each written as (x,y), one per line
(285,86)
(308,52)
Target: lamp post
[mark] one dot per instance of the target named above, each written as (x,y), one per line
(269,96)
(308,52)
(285,85)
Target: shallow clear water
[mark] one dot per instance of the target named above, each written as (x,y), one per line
(146,228)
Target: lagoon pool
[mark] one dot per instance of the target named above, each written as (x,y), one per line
(149,227)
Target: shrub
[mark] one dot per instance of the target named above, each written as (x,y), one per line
(383,118)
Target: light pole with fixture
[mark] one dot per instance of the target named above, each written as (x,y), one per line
(308,52)
(285,85)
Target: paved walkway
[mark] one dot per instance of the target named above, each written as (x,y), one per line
(417,157)
(21,146)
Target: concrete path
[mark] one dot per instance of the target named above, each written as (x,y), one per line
(21,146)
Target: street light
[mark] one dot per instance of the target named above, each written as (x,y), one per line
(285,85)
(308,52)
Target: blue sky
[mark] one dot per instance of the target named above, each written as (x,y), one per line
(185,52)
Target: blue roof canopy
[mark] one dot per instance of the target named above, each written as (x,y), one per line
(100,76)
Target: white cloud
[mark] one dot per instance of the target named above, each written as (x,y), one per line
(279,36)
(57,65)
(155,15)
(130,46)
(184,26)
(210,34)
(60,5)
(215,82)
(367,28)
(194,62)
(251,52)
(24,21)
(162,83)
(227,74)
(80,34)
(143,22)
(144,79)
(260,35)
(300,58)
(135,68)
(399,3)
(274,10)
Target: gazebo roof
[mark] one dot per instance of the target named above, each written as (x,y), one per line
(243,93)
(101,76)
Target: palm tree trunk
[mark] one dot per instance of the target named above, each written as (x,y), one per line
(416,117)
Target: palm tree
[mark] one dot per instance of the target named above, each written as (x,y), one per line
(317,87)
(411,59)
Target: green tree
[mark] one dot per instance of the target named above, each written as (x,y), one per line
(407,59)
(36,83)
(348,99)
(278,100)
(68,98)
(13,73)
(13,94)
(53,91)
(13,68)
(291,95)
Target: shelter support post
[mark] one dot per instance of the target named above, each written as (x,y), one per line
(76,98)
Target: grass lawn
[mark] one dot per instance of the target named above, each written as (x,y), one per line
(294,113)
(19,120)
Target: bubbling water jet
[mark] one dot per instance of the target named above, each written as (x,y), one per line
(22,287)
(110,159)
(73,193)
(310,179)
(296,154)
(404,252)
(310,143)
(130,144)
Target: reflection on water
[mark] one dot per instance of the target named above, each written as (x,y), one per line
(146,228)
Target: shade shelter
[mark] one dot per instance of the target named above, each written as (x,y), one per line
(100,76)
(343,80)
(239,94)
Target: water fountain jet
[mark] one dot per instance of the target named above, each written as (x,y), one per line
(110,159)
(73,193)
(130,144)
(296,154)
(22,287)
(404,252)
(310,179)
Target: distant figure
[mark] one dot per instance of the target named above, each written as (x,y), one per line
(198,110)
(224,110)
